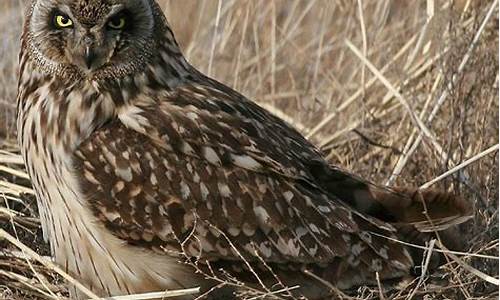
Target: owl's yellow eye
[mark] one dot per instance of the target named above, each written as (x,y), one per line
(62,21)
(117,23)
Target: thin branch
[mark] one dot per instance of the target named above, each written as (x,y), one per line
(435,250)
(469,268)
(157,295)
(460,166)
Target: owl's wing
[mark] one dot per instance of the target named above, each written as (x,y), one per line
(223,181)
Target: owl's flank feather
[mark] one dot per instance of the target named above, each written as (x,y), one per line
(144,168)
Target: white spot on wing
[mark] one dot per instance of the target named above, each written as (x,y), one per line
(185,191)
(233,231)
(383,252)
(400,265)
(111,215)
(124,173)
(261,215)
(90,177)
(192,116)
(224,190)
(248,230)
(196,177)
(165,231)
(312,251)
(265,249)
(293,247)
(211,156)
(314,228)
(134,191)
(204,191)
(324,209)
(118,187)
(365,236)
(288,195)
(153,179)
(187,149)
(300,231)
(245,162)
(356,249)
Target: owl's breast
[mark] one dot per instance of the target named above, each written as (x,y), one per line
(54,118)
(84,247)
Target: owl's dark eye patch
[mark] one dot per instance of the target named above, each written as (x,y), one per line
(120,21)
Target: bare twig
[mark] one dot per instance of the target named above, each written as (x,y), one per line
(460,166)
(469,268)
(157,295)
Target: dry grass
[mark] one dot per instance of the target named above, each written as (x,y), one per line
(387,89)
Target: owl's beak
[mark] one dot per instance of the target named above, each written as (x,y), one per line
(89,57)
(88,52)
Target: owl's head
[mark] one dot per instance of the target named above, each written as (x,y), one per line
(89,37)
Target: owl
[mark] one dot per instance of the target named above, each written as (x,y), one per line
(151,176)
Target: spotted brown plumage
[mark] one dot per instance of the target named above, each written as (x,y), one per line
(146,170)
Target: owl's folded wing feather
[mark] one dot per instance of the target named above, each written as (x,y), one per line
(206,182)
(152,195)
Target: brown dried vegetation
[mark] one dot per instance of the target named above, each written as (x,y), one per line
(293,58)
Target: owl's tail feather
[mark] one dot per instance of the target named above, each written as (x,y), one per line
(417,215)
(426,210)
(424,215)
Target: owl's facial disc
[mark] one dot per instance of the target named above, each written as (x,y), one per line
(92,46)
(93,35)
